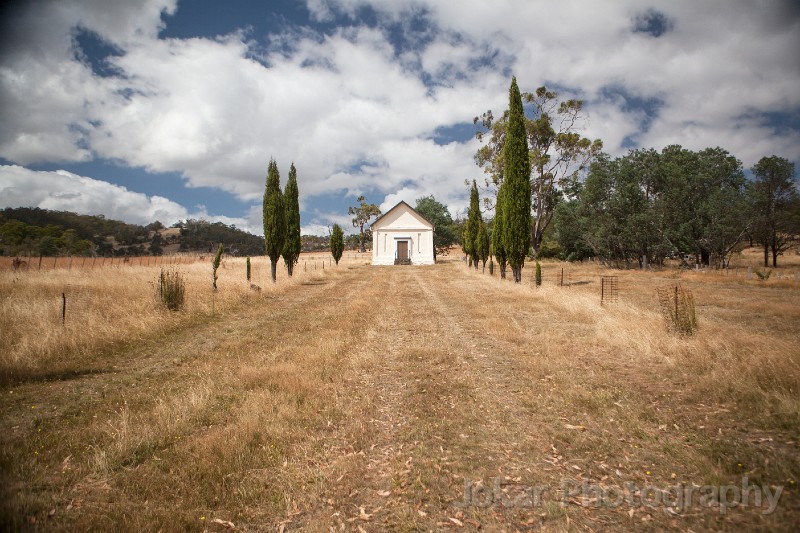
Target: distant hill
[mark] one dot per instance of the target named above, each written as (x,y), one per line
(33,231)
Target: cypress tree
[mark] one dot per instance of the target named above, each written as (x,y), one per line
(482,243)
(538,276)
(248,269)
(274,217)
(497,233)
(517,184)
(337,242)
(292,245)
(472,226)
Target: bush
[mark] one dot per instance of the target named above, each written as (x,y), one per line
(549,250)
(763,276)
(538,277)
(172,289)
(215,265)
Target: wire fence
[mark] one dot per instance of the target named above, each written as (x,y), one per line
(43,263)
(309,261)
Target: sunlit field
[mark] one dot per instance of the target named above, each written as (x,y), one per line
(109,301)
(360,398)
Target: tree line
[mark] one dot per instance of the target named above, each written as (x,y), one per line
(555,193)
(647,206)
(34,231)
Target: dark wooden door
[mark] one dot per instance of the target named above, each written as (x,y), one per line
(402,250)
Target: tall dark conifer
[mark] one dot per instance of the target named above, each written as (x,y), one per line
(292,245)
(482,243)
(337,242)
(472,226)
(274,217)
(517,184)
(498,248)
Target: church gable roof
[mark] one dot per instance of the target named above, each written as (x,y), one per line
(402,205)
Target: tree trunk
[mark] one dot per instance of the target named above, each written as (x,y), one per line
(290,268)
(774,255)
(502,270)
(517,272)
(705,257)
(766,254)
(274,267)
(361,246)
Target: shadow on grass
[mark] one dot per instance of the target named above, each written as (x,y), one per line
(9,377)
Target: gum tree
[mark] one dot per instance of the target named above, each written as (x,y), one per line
(776,206)
(363,212)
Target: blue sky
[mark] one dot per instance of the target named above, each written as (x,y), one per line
(156,109)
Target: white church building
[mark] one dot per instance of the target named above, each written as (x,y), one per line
(401,236)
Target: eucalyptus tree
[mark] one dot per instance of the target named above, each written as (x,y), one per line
(363,213)
(776,206)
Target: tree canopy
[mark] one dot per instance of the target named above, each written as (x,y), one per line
(776,205)
(646,206)
(363,213)
(444,235)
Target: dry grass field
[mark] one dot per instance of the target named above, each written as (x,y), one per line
(360,398)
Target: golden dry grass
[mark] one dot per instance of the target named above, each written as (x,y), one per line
(367,398)
(109,304)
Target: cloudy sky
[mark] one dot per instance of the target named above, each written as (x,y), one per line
(163,109)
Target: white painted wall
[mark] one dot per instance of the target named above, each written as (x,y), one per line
(401,223)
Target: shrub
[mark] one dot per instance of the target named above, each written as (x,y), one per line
(215,265)
(248,269)
(538,274)
(172,289)
(763,276)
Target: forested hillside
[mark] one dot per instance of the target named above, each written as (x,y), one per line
(34,231)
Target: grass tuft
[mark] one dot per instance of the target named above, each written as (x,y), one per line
(172,289)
